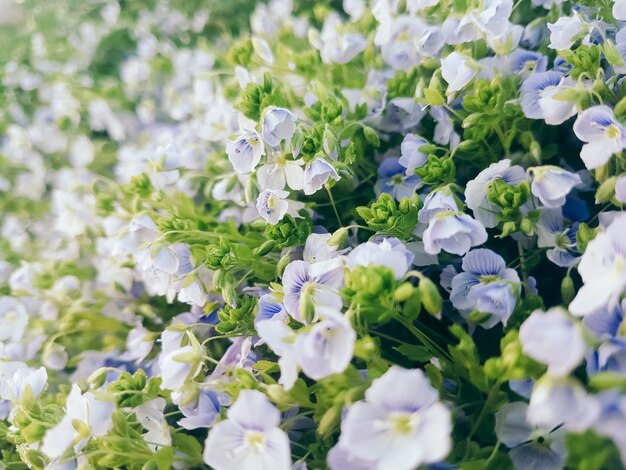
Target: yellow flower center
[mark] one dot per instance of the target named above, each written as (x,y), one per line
(613,131)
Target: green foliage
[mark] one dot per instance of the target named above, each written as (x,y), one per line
(589,451)
(289,231)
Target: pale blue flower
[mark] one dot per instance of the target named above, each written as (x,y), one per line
(270,309)
(203,413)
(486,285)
(538,101)
(603,270)
(554,339)
(387,252)
(309,288)
(316,174)
(278,124)
(559,401)
(393,179)
(551,184)
(607,325)
(410,155)
(327,348)
(530,447)
(603,133)
(524,62)
(560,240)
(245,152)
(250,437)
(400,425)
(436,202)
(453,232)
(611,419)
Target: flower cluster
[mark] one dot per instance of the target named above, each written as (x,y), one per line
(293,234)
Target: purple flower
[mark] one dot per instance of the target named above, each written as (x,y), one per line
(316,174)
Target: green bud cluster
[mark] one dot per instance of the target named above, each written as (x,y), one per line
(238,320)
(372,288)
(240,53)
(219,256)
(437,171)
(133,390)
(387,216)
(141,185)
(256,97)
(403,84)
(289,231)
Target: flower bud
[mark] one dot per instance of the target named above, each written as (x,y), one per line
(431,298)
(568,291)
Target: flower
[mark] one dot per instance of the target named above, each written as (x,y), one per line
(620,189)
(552,338)
(150,416)
(388,252)
(316,174)
(393,179)
(564,32)
(249,438)
(13,319)
(538,97)
(13,388)
(85,417)
(603,270)
(603,134)
(272,205)
(278,124)
(485,284)
(453,232)
(310,288)
(437,201)
(476,190)
(531,446)
(245,152)
(560,240)
(400,425)
(458,70)
(203,414)
(278,171)
(410,155)
(551,184)
(327,348)
(526,63)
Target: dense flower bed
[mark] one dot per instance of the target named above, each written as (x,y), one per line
(359,235)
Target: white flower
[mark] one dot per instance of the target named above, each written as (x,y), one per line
(327,348)
(401,425)
(150,416)
(388,252)
(552,338)
(278,124)
(13,319)
(552,184)
(278,171)
(245,152)
(603,133)
(453,232)
(272,205)
(12,388)
(250,438)
(619,10)
(316,174)
(564,32)
(193,292)
(85,417)
(458,70)
(603,270)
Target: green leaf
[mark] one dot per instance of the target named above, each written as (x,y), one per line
(414,353)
